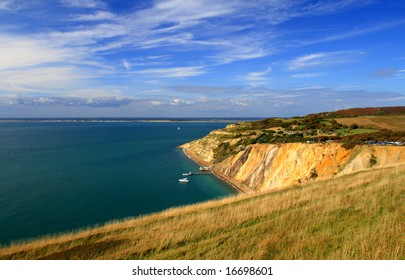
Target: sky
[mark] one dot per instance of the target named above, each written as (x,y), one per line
(199,58)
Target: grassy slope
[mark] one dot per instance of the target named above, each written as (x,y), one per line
(358,216)
(394,123)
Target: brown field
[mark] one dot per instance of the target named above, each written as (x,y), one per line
(394,123)
(357,216)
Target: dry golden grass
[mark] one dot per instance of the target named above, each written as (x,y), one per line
(357,216)
(394,123)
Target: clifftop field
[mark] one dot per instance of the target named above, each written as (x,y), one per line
(340,200)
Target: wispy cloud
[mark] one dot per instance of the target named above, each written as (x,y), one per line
(31,64)
(324,58)
(97,16)
(87,37)
(257,78)
(176,72)
(307,75)
(181,102)
(84,3)
(209,90)
(6,4)
(279,11)
(19,51)
(358,31)
(126,64)
(400,73)
(241,101)
(237,52)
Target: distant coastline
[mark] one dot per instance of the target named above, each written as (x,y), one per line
(79,120)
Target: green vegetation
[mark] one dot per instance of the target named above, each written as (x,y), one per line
(357,216)
(223,150)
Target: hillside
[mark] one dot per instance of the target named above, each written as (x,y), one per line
(355,216)
(394,123)
(380,111)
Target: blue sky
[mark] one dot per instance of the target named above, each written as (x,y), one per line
(199,58)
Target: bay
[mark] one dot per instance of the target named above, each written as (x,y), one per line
(61,176)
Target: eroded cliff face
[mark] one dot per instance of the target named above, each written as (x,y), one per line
(262,167)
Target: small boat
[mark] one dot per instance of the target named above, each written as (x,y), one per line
(204,168)
(187,174)
(183,180)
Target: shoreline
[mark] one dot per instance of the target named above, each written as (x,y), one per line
(205,164)
(135,120)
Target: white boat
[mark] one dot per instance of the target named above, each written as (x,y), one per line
(183,180)
(187,174)
(204,168)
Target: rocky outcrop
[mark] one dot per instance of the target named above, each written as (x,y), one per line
(262,167)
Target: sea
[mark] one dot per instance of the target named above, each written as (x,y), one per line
(59,177)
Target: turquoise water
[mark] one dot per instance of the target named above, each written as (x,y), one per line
(57,177)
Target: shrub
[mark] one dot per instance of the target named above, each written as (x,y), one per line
(354,126)
(373,160)
(349,145)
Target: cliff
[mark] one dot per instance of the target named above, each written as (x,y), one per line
(260,167)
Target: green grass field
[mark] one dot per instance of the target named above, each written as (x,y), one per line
(357,216)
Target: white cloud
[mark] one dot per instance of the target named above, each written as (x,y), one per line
(240,102)
(87,37)
(181,101)
(400,74)
(176,72)
(126,64)
(156,102)
(257,78)
(98,16)
(308,60)
(323,58)
(84,3)
(6,4)
(8,99)
(186,13)
(237,53)
(61,79)
(307,75)
(16,51)
(279,11)
(355,32)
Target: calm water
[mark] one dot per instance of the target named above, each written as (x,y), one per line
(57,177)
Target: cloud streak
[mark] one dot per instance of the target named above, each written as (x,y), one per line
(176,72)
(324,59)
(18,51)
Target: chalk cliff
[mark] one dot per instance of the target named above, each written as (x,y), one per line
(260,167)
